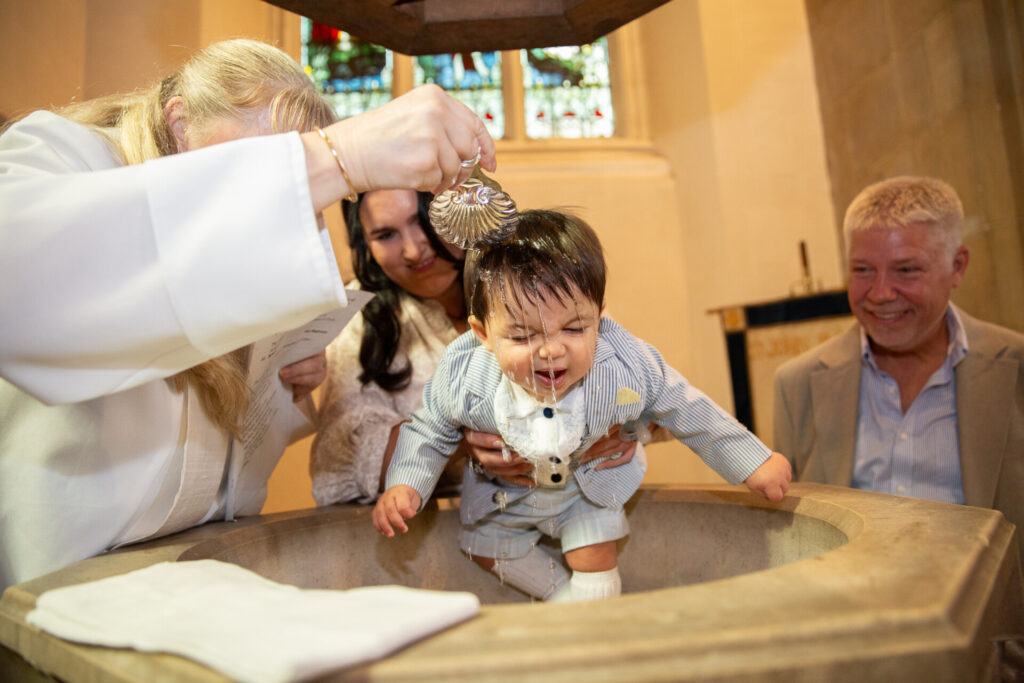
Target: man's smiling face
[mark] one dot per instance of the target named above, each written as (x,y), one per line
(900,281)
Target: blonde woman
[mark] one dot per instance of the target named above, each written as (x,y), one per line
(138,256)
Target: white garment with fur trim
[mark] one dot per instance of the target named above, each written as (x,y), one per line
(356,418)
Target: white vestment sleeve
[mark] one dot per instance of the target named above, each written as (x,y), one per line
(112,276)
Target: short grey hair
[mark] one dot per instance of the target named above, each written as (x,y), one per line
(897,202)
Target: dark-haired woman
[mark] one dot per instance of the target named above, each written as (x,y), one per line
(379,363)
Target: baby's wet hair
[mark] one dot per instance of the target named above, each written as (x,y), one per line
(550,254)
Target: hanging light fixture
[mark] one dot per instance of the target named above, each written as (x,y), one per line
(425,27)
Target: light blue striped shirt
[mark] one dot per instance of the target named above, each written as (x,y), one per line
(916,454)
(629,382)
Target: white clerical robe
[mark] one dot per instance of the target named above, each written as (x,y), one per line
(113,278)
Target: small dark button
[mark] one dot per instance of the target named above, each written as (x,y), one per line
(556,477)
(548,412)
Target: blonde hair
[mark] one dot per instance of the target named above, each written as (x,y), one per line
(235,79)
(895,203)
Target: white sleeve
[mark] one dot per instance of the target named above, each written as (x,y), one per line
(112,276)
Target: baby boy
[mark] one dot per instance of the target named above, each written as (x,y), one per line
(542,368)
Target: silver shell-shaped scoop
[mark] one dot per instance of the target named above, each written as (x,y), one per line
(478,211)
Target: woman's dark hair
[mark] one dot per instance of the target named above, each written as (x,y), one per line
(382,331)
(550,253)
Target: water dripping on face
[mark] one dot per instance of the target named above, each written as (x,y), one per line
(505,345)
(546,341)
(517,333)
(543,340)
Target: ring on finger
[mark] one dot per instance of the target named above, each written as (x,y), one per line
(470,163)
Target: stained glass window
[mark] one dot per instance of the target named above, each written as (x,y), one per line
(474,78)
(354,75)
(568,93)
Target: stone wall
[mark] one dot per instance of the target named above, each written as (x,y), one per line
(932,87)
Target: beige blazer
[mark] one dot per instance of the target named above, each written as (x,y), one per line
(815,423)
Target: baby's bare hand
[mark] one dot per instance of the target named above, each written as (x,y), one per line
(772,478)
(394,506)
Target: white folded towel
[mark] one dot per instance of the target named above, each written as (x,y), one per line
(246,626)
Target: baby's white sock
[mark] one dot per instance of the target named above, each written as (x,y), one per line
(595,585)
(539,573)
(563,594)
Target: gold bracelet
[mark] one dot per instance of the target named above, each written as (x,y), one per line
(352,196)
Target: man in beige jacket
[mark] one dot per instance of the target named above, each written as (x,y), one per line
(919,399)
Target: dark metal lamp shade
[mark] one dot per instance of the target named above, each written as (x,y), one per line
(425,27)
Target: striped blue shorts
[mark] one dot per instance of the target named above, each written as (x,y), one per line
(559,513)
